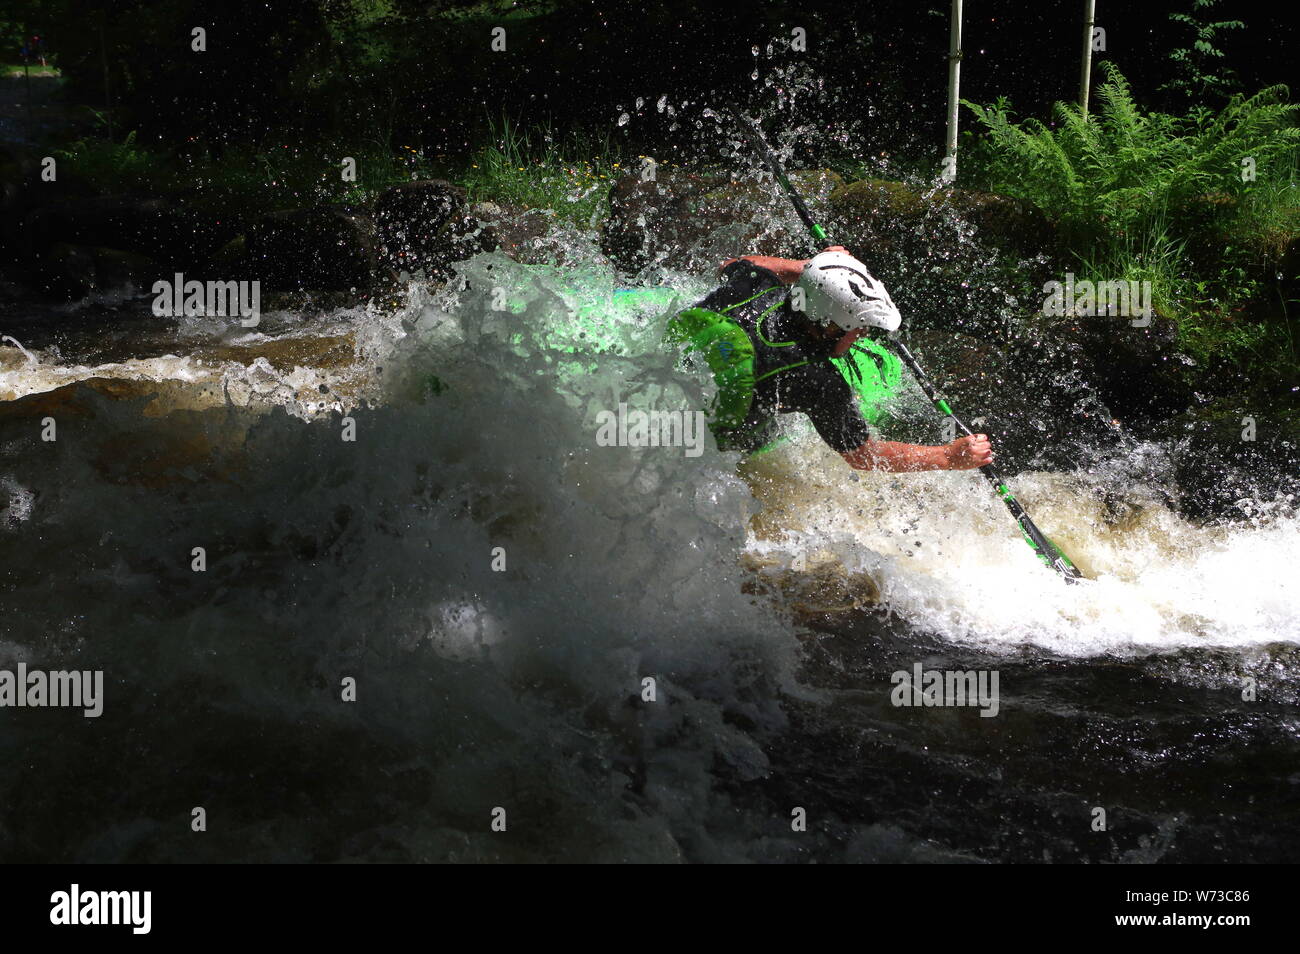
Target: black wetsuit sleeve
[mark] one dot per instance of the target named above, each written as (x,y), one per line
(838,418)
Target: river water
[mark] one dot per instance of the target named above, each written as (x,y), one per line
(497,587)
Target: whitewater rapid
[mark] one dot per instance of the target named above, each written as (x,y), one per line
(945,556)
(638,653)
(937,550)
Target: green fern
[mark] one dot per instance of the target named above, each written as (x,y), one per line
(1121,171)
(1194,65)
(1149,196)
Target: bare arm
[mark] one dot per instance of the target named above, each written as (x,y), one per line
(787,270)
(965,453)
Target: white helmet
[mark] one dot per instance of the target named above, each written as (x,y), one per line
(838,288)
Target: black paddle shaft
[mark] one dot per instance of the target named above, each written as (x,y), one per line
(930,392)
(1046,550)
(774,165)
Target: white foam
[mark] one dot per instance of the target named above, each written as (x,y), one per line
(949,559)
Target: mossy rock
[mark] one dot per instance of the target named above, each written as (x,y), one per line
(72,272)
(232,253)
(116,268)
(1139,373)
(148,225)
(1233,450)
(971,262)
(320,248)
(881,212)
(68,271)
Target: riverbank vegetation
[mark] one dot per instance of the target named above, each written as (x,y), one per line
(1205,206)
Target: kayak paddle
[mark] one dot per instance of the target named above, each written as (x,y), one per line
(1047,551)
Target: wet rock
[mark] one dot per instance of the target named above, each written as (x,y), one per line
(1048,388)
(1038,406)
(464,237)
(966,261)
(696,220)
(971,262)
(425,226)
(530,236)
(115,268)
(894,219)
(68,271)
(321,248)
(413,211)
(157,227)
(822,587)
(1234,453)
(162,447)
(334,353)
(1139,373)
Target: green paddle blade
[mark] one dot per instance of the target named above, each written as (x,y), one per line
(1047,551)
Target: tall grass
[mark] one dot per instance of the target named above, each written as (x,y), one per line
(534,167)
(1148,255)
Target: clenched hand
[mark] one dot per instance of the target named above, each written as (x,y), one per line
(967,453)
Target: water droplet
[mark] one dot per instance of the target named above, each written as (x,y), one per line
(623,118)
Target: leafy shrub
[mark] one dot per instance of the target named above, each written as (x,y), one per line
(1150,196)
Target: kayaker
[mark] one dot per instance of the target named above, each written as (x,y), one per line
(771,357)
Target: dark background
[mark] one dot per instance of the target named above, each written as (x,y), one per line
(423,75)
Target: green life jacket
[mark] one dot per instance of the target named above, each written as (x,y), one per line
(871,370)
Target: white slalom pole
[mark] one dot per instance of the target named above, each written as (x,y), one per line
(949,173)
(1085,77)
